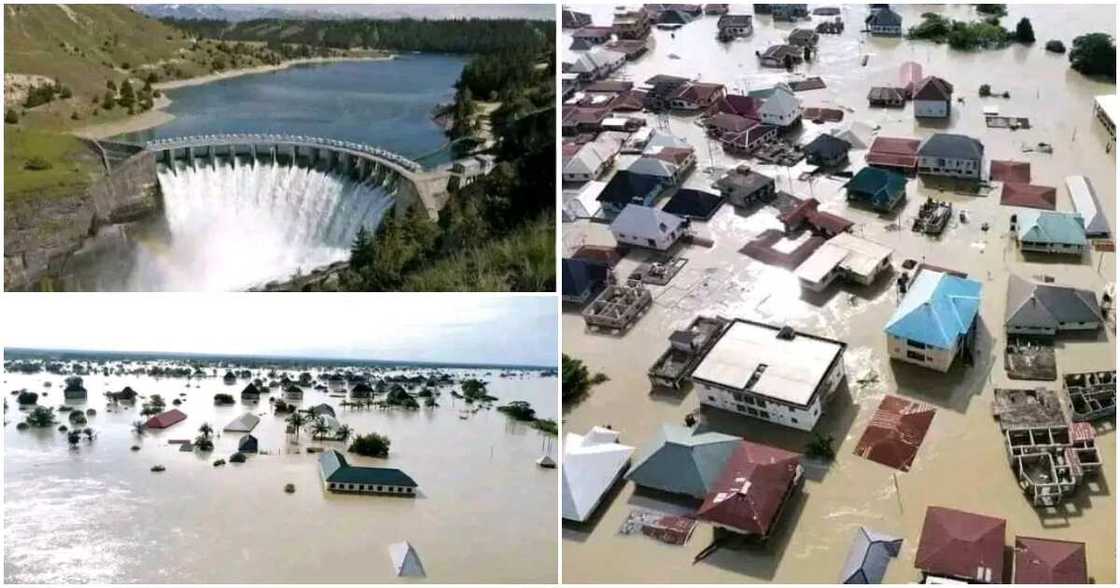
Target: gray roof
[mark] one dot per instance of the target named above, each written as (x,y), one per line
(734,20)
(953,146)
(681,462)
(884,17)
(868,557)
(750,181)
(1045,305)
(334,468)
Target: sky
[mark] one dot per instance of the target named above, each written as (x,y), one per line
(451,328)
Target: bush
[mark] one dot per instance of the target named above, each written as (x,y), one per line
(985,90)
(220,399)
(1055,46)
(38,163)
(520,410)
(371,445)
(1024,32)
(237,458)
(1094,54)
(26,397)
(41,417)
(11,117)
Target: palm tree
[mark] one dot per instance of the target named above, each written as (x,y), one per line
(344,432)
(319,428)
(206,430)
(297,421)
(138,427)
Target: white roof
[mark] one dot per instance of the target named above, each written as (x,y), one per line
(852,253)
(659,139)
(644,221)
(244,423)
(592,464)
(1085,203)
(405,560)
(1110,104)
(780,101)
(857,133)
(794,367)
(587,160)
(585,203)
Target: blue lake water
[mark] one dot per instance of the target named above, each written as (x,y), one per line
(383,103)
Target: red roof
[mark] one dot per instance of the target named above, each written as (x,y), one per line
(1029,196)
(933,88)
(1049,561)
(730,123)
(165,419)
(909,74)
(699,92)
(752,488)
(632,100)
(806,212)
(1011,171)
(895,433)
(963,545)
(735,104)
(674,155)
(893,152)
(822,113)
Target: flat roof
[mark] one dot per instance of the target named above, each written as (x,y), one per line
(854,254)
(1110,104)
(791,368)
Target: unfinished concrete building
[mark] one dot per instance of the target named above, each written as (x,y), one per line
(1049,455)
(617,307)
(686,347)
(1092,395)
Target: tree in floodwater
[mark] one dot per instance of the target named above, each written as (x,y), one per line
(1024,32)
(41,417)
(319,428)
(297,420)
(576,379)
(1094,54)
(138,427)
(371,445)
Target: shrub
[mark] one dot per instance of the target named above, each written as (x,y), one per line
(11,117)
(41,417)
(26,397)
(38,163)
(371,445)
(220,399)
(1055,46)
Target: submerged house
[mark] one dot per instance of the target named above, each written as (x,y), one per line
(678,461)
(751,493)
(789,12)
(1044,231)
(165,419)
(582,279)
(743,187)
(869,556)
(643,226)
(593,463)
(1085,203)
(1046,309)
(936,321)
(781,108)
(827,151)
(844,256)
(732,26)
(771,373)
(627,187)
(250,393)
(933,98)
(961,546)
(884,22)
(247,444)
(948,154)
(243,424)
(339,476)
(781,56)
(876,188)
(696,96)
(1049,561)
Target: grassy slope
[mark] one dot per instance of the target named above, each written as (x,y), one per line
(524,260)
(73,164)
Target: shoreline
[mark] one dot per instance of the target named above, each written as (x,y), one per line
(159,116)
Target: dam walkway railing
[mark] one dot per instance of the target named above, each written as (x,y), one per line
(404,164)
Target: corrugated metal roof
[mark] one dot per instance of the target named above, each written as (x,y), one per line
(868,557)
(334,468)
(961,544)
(937,309)
(592,463)
(680,462)
(1086,204)
(1043,226)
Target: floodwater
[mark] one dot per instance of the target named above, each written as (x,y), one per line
(962,463)
(96,514)
(386,104)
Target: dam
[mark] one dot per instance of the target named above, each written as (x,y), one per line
(236,211)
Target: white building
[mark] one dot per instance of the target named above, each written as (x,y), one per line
(933,98)
(1107,109)
(843,256)
(771,373)
(936,320)
(1047,309)
(643,226)
(781,108)
(588,163)
(1085,203)
(593,463)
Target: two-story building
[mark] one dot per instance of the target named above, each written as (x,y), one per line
(948,154)
(936,321)
(772,373)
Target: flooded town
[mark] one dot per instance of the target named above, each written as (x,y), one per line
(838,287)
(187,467)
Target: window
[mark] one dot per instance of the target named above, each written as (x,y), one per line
(915,355)
(793,420)
(740,408)
(764,415)
(712,398)
(752,412)
(380,488)
(915,344)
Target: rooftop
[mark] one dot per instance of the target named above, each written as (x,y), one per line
(334,468)
(757,357)
(854,254)
(937,310)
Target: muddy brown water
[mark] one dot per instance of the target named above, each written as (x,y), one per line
(962,463)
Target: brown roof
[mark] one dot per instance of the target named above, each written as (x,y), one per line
(729,123)
(752,488)
(675,155)
(631,101)
(600,253)
(609,86)
(895,433)
(735,104)
(822,113)
(962,545)
(1011,171)
(165,419)
(886,94)
(579,115)
(593,32)
(1029,196)
(1049,561)
(893,152)
(933,88)
(699,91)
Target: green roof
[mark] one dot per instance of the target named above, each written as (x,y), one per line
(877,186)
(334,468)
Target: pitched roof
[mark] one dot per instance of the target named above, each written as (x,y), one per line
(645,221)
(886,94)
(592,463)
(746,106)
(334,468)
(626,186)
(827,146)
(698,91)
(578,275)
(406,562)
(961,545)
(691,203)
(895,433)
(952,146)
(734,20)
(937,310)
(1045,305)
(243,424)
(780,101)
(893,151)
(1086,204)
(752,488)
(868,557)
(933,88)
(876,185)
(652,166)
(680,462)
(1045,226)
(750,181)
(1049,561)
(165,419)
(884,17)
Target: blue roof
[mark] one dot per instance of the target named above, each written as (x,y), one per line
(1044,226)
(937,310)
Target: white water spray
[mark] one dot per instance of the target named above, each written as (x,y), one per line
(232,228)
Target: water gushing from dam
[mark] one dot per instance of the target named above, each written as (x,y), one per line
(233,227)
